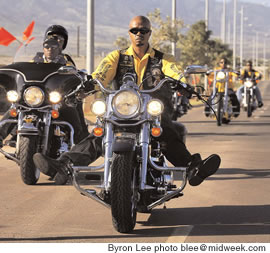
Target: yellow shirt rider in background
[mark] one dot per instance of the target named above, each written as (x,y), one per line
(223,64)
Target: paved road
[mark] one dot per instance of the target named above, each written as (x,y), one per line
(231,206)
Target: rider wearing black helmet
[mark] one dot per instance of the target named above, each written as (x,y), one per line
(60,34)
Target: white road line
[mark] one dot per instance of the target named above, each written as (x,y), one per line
(179,234)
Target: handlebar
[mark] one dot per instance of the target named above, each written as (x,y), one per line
(222,70)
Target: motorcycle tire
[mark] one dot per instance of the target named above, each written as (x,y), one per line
(220,110)
(174,116)
(27,148)
(124,187)
(249,106)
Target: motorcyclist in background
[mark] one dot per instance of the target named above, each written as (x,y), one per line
(140,59)
(223,64)
(249,72)
(50,54)
(60,34)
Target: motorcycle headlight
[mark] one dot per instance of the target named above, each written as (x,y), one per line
(155,107)
(98,107)
(55,97)
(248,84)
(220,76)
(33,96)
(12,96)
(126,104)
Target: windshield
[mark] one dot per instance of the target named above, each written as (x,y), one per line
(27,51)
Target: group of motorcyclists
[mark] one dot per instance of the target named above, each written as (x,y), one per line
(149,66)
(234,94)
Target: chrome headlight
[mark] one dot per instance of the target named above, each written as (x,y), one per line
(55,97)
(220,76)
(98,107)
(33,96)
(248,84)
(12,96)
(126,104)
(155,107)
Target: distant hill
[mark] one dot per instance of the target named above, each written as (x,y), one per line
(112,18)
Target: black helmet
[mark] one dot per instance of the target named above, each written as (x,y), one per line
(57,29)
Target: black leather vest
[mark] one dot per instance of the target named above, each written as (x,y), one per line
(126,65)
(153,74)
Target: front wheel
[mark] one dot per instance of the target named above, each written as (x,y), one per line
(249,106)
(220,110)
(27,148)
(124,192)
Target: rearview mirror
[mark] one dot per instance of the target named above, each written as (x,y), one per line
(67,70)
(195,69)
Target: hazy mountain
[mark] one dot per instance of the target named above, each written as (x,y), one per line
(112,17)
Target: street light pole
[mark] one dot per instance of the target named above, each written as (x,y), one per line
(206,29)
(241,36)
(90,37)
(264,57)
(90,53)
(234,33)
(173,24)
(224,22)
(206,15)
(257,42)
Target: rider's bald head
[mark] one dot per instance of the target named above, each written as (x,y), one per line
(141,21)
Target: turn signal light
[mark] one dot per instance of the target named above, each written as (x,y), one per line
(13,113)
(55,114)
(156,131)
(98,131)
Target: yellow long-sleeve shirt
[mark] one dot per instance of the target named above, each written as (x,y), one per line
(106,70)
(230,81)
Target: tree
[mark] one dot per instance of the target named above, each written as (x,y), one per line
(197,47)
(164,32)
(121,42)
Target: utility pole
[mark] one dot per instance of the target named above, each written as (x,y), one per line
(206,15)
(241,36)
(264,58)
(90,37)
(257,50)
(90,52)
(253,49)
(173,25)
(234,33)
(78,41)
(206,29)
(224,22)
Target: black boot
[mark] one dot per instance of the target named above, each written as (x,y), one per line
(46,164)
(201,169)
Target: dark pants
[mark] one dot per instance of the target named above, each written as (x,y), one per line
(89,149)
(72,115)
(233,98)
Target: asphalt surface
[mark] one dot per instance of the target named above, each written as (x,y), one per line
(231,206)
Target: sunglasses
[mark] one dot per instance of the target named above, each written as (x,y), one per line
(56,37)
(50,46)
(141,30)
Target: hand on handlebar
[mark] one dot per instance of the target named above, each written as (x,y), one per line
(89,84)
(186,89)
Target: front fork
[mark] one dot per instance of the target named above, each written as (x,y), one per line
(144,144)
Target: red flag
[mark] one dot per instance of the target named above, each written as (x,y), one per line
(28,41)
(5,37)
(28,31)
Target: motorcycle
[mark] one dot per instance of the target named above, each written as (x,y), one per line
(36,91)
(249,101)
(220,99)
(136,176)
